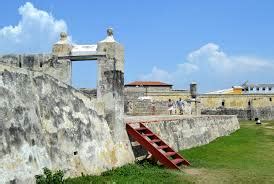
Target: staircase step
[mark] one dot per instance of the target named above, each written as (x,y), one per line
(161,151)
(148,135)
(162,147)
(141,128)
(177,161)
(170,153)
(155,140)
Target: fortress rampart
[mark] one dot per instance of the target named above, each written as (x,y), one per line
(45,122)
(245,106)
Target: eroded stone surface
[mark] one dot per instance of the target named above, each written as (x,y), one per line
(46,123)
(182,132)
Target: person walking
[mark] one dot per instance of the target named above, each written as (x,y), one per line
(180,105)
(170,106)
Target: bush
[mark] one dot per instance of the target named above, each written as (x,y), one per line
(49,177)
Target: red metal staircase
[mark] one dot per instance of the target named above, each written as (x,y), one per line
(157,147)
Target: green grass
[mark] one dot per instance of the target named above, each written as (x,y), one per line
(142,172)
(246,156)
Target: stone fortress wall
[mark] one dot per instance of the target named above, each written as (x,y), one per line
(46,63)
(188,131)
(245,106)
(45,122)
(151,101)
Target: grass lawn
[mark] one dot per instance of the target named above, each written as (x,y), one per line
(246,156)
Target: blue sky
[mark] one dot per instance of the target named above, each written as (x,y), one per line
(215,43)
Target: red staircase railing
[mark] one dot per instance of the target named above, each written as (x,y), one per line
(156,146)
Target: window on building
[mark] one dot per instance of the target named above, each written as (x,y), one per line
(251,89)
(270,88)
(20,64)
(249,103)
(263,89)
(223,103)
(258,89)
(270,99)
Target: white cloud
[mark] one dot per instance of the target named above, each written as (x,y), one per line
(157,74)
(36,31)
(214,69)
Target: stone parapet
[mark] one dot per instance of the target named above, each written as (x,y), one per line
(183,132)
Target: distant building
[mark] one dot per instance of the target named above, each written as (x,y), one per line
(247,89)
(247,101)
(258,88)
(151,97)
(233,90)
(148,86)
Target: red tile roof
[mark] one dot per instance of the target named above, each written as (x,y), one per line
(147,83)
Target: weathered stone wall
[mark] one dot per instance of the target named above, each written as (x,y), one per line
(194,131)
(92,93)
(245,106)
(110,86)
(47,63)
(156,104)
(146,107)
(173,95)
(157,95)
(183,132)
(46,123)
